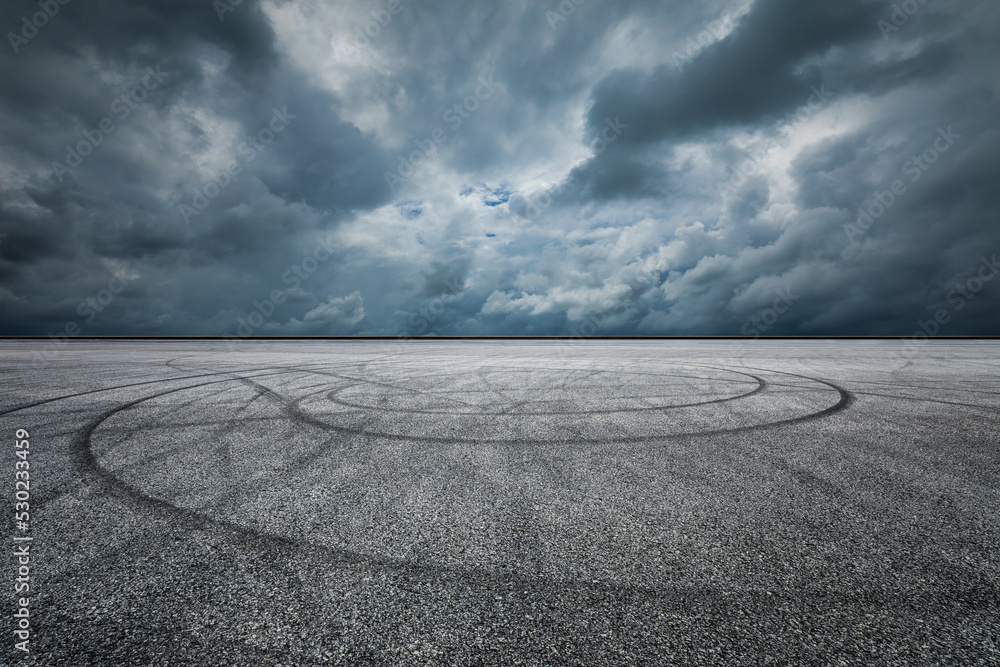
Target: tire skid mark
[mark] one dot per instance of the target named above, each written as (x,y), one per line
(266,541)
(160,422)
(87,463)
(846,400)
(761,386)
(122,386)
(802,475)
(223,452)
(71,486)
(477,575)
(293,409)
(221,423)
(991,408)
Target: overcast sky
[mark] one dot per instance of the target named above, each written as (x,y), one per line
(416,167)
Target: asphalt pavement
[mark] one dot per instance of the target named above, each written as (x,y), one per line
(505,503)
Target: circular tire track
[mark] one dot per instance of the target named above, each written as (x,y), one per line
(761,386)
(294,408)
(88,464)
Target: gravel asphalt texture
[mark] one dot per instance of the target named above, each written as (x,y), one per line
(507,503)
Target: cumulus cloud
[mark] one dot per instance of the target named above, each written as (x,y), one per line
(337,316)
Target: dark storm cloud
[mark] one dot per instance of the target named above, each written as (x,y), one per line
(629,167)
(120,207)
(746,77)
(765,69)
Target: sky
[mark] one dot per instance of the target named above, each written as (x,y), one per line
(516,168)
